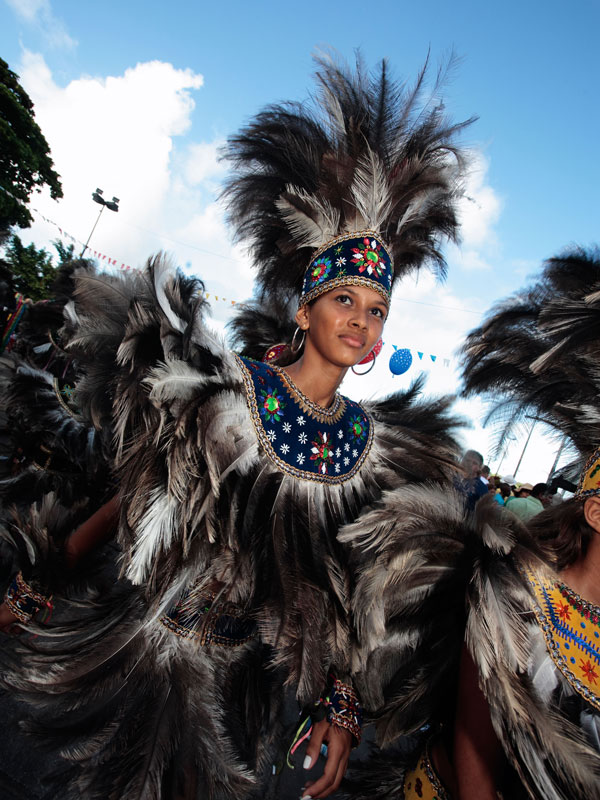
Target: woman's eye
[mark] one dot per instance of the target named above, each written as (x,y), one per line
(343,298)
(378,313)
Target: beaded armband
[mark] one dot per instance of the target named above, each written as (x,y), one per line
(344,709)
(23,600)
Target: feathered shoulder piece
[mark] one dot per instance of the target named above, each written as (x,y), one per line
(414,553)
(364,155)
(540,351)
(429,578)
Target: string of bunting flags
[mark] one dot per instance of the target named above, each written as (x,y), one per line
(109,260)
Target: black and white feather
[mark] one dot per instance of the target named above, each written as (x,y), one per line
(366,153)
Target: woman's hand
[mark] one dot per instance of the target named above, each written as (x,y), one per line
(339,744)
(8,620)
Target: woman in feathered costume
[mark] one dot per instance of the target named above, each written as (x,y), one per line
(235,475)
(526,719)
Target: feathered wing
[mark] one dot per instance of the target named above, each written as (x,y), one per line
(408,606)
(537,352)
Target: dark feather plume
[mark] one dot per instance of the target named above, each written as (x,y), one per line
(538,352)
(365,153)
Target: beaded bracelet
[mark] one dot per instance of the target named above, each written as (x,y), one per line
(344,709)
(23,600)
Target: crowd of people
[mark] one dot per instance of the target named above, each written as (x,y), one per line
(522,499)
(222,536)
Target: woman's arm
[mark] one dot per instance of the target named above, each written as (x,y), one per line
(96,530)
(478,756)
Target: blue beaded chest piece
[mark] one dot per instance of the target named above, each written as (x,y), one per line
(301,438)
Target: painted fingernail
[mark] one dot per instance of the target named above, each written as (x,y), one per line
(306,765)
(306,797)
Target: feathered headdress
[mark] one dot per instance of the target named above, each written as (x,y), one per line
(539,352)
(359,186)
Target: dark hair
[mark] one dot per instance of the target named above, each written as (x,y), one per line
(564,531)
(477,455)
(504,489)
(538,489)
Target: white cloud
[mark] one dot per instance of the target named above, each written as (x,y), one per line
(39,13)
(479,211)
(202,162)
(116,133)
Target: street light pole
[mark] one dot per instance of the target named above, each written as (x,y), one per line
(112,205)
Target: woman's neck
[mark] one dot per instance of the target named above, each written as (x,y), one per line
(582,576)
(319,382)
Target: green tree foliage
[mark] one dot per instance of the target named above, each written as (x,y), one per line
(32,270)
(25,163)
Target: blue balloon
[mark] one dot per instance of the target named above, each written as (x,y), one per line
(400,361)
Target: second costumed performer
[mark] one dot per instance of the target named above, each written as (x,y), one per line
(235,475)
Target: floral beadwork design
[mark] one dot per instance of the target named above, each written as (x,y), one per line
(302,438)
(368,257)
(571,629)
(319,270)
(272,405)
(321,452)
(589,671)
(357,428)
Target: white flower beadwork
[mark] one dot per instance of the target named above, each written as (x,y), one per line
(347,447)
(285,448)
(339,262)
(300,458)
(355,454)
(337,467)
(346,461)
(271,435)
(300,420)
(338,452)
(286,427)
(340,434)
(302,438)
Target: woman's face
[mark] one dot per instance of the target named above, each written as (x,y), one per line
(343,325)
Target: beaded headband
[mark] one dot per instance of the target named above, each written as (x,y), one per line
(589,481)
(358,259)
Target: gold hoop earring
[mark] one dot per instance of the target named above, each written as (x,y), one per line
(294,348)
(366,372)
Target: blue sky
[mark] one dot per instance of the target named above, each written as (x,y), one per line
(136,98)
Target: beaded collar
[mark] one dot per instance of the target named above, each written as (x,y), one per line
(571,628)
(301,438)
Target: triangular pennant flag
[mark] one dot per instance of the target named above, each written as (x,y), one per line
(433,358)
(420,355)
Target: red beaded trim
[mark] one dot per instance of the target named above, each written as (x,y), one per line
(23,600)
(344,709)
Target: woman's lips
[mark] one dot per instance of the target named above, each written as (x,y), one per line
(353,341)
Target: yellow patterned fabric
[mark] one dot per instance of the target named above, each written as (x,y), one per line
(589,482)
(571,628)
(422,782)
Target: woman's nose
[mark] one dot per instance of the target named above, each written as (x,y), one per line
(359,321)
